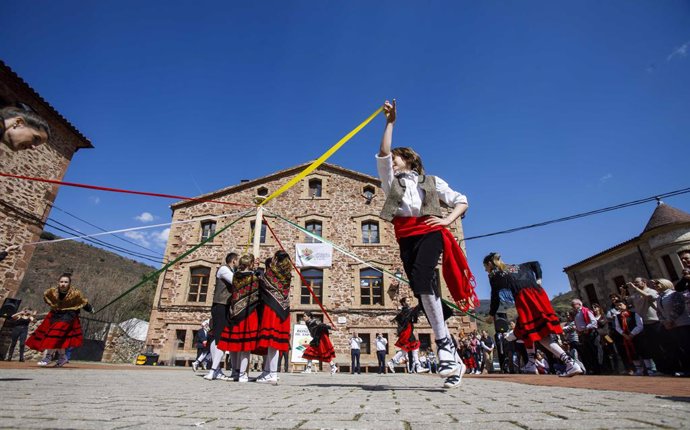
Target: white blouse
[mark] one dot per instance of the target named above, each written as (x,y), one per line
(413,197)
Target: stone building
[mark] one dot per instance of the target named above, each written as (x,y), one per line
(652,254)
(339,204)
(25,205)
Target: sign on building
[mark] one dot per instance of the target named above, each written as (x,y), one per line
(300,342)
(313,254)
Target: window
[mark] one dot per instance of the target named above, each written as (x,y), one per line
(262,236)
(368,193)
(370,232)
(313,227)
(315,188)
(618,281)
(208,229)
(371,284)
(591,294)
(314,278)
(181,336)
(262,191)
(365,347)
(424,341)
(198,284)
(672,274)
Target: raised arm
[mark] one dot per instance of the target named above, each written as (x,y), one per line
(390,111)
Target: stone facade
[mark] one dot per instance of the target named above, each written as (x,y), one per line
(652,254)
(25,205)
(341,209)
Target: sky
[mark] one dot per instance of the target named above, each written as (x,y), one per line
(534,110)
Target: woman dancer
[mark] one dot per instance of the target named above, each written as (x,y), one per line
(320,348)
(61,329)
(241,334)
(274,328)
(536,321)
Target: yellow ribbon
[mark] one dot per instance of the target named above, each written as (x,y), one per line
(322,158)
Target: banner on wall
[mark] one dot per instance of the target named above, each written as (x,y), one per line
(313,255)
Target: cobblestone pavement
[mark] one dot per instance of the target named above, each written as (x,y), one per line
(152,398)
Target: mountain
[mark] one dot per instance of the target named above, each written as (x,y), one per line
(101,275)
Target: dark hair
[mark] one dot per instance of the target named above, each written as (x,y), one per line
(32,119)
(231,256)
(66,275)
(281,255)
(410,157)
(403,301)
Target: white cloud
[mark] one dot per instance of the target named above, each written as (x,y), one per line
(160,238)
(605,178)
(95,200)
(157,239)
(681,51)
(144,217)
(138,237)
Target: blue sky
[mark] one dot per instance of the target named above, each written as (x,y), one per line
(534,110)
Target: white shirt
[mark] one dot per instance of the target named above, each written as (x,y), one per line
(225,273)
(411,205)
(354,342)
(580,323)
(381,343)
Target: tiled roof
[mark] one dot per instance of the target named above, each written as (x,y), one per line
(664,215)
(83,141)
(285,172)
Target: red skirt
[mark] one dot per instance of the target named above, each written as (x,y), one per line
(404,341)
(536,318)
(241,336)
(273,333)
(324,353)
(470,362)
(54,333)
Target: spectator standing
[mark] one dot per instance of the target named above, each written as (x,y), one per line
(629,325)
(487,345)
(355,351)
(381,345)
(684,283)
(586,326)
(20,331)
(643,300)
(675,318)
(202,345)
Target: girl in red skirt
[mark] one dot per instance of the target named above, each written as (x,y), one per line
(61,328)
(536,321)
(320,348)
(240,336)
(407,341)
(274,327)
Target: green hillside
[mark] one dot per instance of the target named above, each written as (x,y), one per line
(99,274)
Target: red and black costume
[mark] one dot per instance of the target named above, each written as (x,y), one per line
(274,290)
(406,319)
(536,317)
(243,318)
(61,328)
(320,348)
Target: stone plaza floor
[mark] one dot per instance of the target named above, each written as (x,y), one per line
(81,396)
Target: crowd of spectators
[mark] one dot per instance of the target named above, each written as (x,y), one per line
(644,330)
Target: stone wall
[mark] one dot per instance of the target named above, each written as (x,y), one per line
(341,209)
(120,348)
(25,205)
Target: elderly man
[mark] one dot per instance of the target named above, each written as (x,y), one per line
(586,326)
